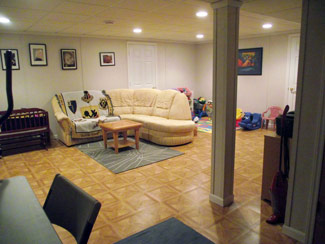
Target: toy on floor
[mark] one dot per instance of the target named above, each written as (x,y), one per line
(208,108)
(270,115)
(251,121)
(199,107)
(186,91)
(239,116)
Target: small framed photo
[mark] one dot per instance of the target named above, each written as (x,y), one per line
(107,58)
(69,59)
(38,55)
(14,59)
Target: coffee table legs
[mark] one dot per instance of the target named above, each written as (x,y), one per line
(104,138)
(125,140)
(137,135)
(125,136)
(115,137)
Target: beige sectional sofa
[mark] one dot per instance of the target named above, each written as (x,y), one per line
(165,115)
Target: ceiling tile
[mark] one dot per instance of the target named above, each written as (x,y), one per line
(22,14)
(270,6)
(107,3)
(290,14)
(17,26)
(78,8)
(31,4)
(82,29)
(183,9)
(57,17)
(48,28)
(143,5)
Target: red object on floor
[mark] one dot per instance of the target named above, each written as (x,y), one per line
(275,219)
(237,121)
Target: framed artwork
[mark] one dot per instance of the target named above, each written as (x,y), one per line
(250,61)
(14,59)
(38,55)
(107,58)
(69,59)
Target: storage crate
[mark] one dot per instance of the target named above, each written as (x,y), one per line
(25,129)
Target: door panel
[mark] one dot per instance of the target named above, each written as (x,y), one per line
(319,233)
(142,60)
(293,71)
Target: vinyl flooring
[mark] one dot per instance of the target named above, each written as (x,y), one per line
(178,187)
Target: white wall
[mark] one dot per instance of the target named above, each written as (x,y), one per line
(255,93)
(204,71)
(35,86)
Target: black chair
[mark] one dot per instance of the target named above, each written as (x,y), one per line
(72,208)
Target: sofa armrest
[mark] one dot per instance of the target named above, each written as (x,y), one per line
(63,120)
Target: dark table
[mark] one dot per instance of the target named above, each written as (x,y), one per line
(22,219)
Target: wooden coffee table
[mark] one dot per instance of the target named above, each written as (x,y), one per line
(120,126)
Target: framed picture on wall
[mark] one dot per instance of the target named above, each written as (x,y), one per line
(250,61)
(14,59)
(107,58)
(37,54)
(69,59)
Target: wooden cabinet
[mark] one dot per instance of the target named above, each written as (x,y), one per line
(25,129)
(270,163)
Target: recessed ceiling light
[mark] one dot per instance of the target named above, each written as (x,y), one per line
(201,14)
(137,30)
(4,20)
(267,26)
(199,36)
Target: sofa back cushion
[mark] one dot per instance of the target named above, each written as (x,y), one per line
(144,101)
(180,109)
(122,100)
(83,104)
(163,103)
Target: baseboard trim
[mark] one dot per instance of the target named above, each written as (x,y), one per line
(294,233)
(223,202)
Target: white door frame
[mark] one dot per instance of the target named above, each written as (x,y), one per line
(128,55)
(289,64)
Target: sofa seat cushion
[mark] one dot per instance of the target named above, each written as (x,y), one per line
(161,124)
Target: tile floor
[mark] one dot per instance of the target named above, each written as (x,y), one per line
(179,187)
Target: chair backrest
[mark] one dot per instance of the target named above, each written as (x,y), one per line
(72,208)
(272,112)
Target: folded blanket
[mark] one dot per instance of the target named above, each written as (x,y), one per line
(91,125)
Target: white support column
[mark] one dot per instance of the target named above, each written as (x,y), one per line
(225,49)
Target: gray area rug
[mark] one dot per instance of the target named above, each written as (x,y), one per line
(128,157)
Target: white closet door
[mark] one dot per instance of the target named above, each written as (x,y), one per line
(293,70)
(142,62)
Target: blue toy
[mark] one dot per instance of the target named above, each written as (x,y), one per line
(251,121)
(199,107)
